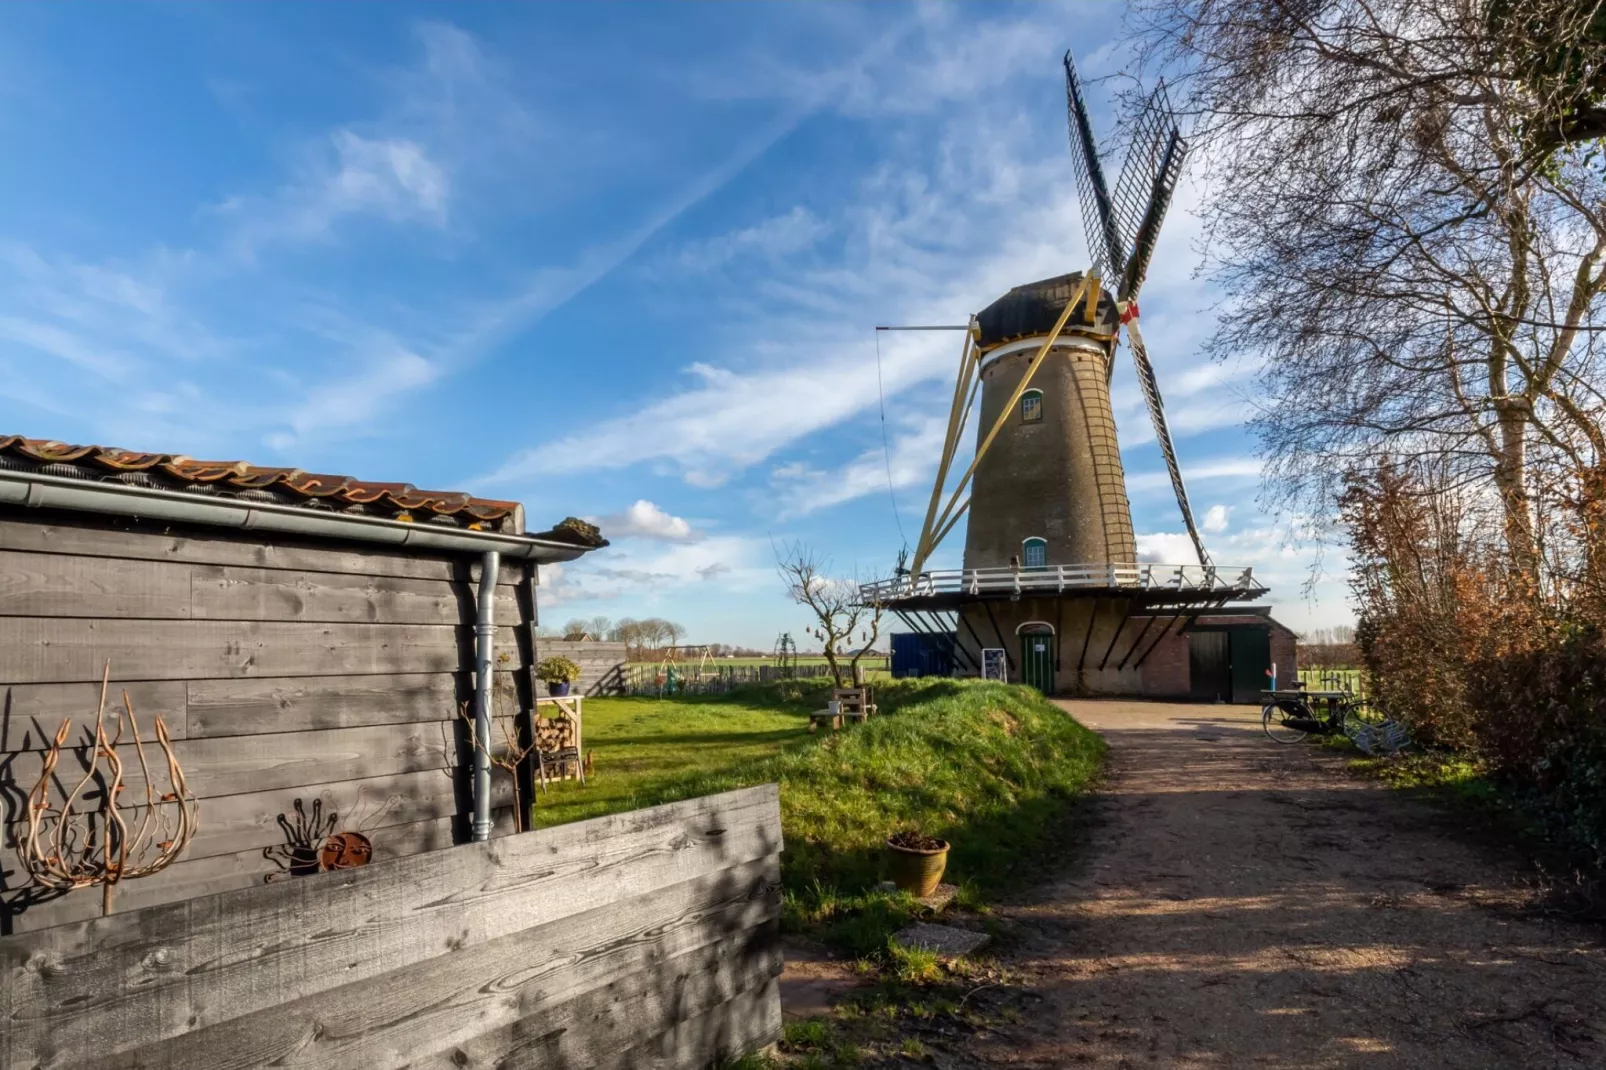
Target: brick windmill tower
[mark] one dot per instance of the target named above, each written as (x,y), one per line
(1052,592)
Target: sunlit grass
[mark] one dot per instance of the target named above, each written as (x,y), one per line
(993,769)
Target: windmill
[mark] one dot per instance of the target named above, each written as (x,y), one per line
(1051,567)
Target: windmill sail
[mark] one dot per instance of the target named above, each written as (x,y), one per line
(1105,242)
(1122,230)
(1152,169)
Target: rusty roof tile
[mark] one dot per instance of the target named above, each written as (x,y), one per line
(293,484)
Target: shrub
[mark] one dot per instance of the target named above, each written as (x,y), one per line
(557,669)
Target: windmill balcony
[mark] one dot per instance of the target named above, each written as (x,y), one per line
(1065,579)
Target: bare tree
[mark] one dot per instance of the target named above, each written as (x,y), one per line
(839,610)
(576,629)
(1407,209)
(599,627)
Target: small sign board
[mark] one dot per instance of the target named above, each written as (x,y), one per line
(994,666)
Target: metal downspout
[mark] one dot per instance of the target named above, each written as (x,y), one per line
(484,673)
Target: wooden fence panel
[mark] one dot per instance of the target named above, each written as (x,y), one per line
(602,664)
(159,541)
(69,650)
(648,937)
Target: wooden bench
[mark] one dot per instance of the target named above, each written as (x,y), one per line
(825,716)
(855,701)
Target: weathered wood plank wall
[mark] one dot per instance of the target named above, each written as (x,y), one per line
(283,669)
(644,939)
(602,664)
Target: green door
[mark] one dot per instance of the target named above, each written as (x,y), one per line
(1037,661)
(1251,657)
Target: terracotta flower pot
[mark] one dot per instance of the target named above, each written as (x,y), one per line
(917,870)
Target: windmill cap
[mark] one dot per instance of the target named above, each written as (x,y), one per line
(1033,309)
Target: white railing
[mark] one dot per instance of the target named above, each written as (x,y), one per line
(1053,579)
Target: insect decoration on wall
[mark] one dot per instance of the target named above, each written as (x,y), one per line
(301,851)
(311,844)
(105,840)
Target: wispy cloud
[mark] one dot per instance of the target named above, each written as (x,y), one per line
(343,175)
(909,460)
(1239,469)
(387,371)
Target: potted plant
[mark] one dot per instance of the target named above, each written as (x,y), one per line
(917,861)
(558,672)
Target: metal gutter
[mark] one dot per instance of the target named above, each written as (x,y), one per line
(41,491)
(484,669)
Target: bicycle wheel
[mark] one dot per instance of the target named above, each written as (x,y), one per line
(1273,720)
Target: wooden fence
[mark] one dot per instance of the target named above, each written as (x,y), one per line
(602,664)
(643,939)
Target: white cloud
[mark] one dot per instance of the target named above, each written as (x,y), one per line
(646,521)
(392,176)
(646,570)
(1240,469)
(1215,519)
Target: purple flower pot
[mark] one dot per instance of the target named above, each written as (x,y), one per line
(557,688)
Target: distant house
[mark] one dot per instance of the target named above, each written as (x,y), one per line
(304,636)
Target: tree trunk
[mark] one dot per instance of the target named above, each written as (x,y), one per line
(830,659)
(1511,481)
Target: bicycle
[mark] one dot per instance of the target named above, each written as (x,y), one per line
(1289,717)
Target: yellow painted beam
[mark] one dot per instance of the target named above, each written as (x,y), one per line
(943,525)
(957,411)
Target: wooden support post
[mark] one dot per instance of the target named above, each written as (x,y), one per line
(1157,640)
(974,637)
(1133,648)
(1009,662)
(1126,615)
(1081,660)
(1059,630)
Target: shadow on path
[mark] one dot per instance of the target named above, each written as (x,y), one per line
(1244,903)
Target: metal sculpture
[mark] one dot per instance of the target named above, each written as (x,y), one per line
(80,845)
(311,844)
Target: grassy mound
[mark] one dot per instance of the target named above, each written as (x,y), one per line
(993,769)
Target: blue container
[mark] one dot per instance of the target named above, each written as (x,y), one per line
(922,654)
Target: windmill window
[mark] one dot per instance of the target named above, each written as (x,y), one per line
(1034,552)
(1031,406)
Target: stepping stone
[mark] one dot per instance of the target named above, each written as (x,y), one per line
(945,940)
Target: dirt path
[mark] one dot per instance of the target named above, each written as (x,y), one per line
(1248,904)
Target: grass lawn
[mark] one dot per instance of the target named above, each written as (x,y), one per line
(993,769)
(645,746)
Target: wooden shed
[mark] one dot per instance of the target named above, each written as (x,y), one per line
(305,637)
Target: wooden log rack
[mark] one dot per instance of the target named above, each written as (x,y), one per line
(570,708)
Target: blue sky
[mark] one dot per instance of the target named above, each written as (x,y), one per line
(620,262)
